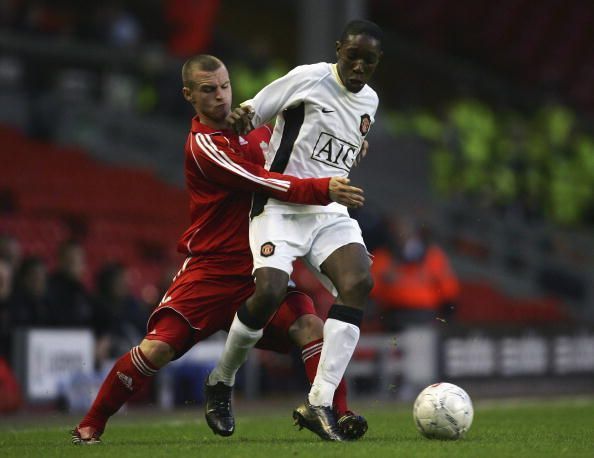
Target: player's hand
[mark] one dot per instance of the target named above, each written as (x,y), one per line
(341,192)
(362,153)
(240,120)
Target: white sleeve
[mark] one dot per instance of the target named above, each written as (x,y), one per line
(282,93)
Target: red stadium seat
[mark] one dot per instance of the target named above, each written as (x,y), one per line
(124,214)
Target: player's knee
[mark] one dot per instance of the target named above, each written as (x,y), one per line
(269,295)
(157,352)
(357,285)
(310,323)
(306,329)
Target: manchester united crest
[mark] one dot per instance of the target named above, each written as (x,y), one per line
(365,124)
(267,249)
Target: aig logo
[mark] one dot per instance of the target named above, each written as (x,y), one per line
(335,152)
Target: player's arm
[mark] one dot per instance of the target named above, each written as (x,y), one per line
(221,164)
(277,96)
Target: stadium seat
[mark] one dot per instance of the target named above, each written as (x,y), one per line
(120,213)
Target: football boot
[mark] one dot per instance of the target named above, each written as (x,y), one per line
(217,408)
(352,426)
(93,439)
(320,420)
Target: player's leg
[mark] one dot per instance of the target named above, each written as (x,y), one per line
(297,322)
(275,244)
(248,323)
(348,269)
(244,332)
(339,252)
(341,334)
(167,337)
(307,333)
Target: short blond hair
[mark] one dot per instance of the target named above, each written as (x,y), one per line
(204,62)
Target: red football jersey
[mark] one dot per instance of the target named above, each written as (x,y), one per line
(222,171)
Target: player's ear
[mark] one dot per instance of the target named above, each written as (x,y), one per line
(187,93)
(338,46)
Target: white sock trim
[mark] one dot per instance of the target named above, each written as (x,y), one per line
(139,363)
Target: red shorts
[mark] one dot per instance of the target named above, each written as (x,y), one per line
(200,302)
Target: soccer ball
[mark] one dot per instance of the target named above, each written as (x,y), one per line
(443,411)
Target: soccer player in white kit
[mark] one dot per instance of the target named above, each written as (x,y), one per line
(323,114)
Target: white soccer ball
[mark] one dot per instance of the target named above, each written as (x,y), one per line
(443,411)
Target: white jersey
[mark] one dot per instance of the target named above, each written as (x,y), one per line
(319,131)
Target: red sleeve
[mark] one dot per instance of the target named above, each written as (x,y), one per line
(220,163)
(258,139)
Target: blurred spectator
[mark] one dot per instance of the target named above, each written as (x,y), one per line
(373,224)
(414,283)
(10,393)
(124,29)
(253,73)
(68,297)
(43,18)
(119,319)
(120,91)
(414,287)
(533,165)
(10,250)
(29,304)
(5,320)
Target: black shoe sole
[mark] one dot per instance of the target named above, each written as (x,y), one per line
(217,431)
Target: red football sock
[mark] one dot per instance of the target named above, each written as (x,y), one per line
(310,354)
(126,378)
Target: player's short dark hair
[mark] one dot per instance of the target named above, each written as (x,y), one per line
(204,62)
(363,27)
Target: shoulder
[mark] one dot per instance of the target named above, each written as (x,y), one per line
(262,133)
(313,71)
(209,141)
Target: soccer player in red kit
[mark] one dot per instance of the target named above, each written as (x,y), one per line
(222,170)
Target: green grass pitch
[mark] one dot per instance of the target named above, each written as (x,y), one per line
(555,428)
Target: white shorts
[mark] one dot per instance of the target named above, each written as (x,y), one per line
(277,240)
